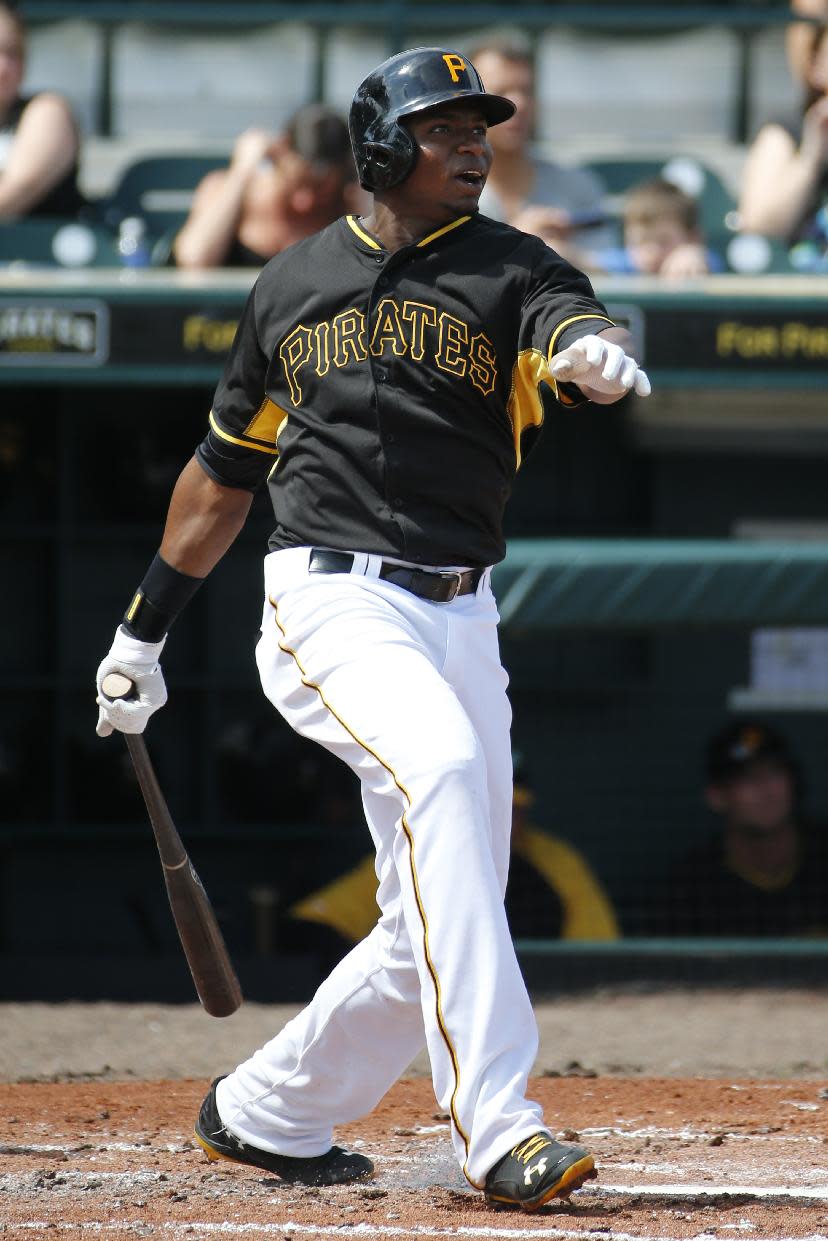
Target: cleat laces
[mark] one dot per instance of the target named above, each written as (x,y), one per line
(526,1150)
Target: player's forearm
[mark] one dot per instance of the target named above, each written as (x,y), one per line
(203,520)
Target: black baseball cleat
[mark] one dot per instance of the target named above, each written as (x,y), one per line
(335,1167)
(537,1170)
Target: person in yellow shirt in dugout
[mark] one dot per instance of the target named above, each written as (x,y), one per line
(552,891)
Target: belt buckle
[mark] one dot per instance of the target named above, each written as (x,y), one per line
(457,580)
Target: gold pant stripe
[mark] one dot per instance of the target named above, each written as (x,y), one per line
(409,837)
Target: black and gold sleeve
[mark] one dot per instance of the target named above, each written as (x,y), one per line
(239,449)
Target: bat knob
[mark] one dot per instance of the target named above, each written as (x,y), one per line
(115,685)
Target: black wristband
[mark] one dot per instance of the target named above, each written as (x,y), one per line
(156,603)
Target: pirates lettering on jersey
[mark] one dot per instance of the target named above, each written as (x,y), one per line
(464,346)
(411,329)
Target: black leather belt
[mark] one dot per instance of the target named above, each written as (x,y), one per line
(437,587)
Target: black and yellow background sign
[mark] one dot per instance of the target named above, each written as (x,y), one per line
(47,332)
(168,334)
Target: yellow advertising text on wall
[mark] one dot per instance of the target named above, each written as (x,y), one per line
(784,340)
(214,335)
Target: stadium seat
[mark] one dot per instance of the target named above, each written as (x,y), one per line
(159,189)
(45,241)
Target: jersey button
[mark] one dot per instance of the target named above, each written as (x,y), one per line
(377,258)
(381,377)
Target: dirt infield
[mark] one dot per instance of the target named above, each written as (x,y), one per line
(677,1159)
(679,1156)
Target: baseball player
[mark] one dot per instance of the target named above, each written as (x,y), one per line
(384,380)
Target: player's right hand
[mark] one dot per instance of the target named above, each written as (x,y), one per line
(138,661)
(596,363)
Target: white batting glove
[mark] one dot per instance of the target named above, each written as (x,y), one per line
(138,661)
(600,364)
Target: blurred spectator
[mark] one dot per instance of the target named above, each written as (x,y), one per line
(785,181)
(39,139)
(561,204)
(552,892)
(765,871)
(798,35)
(278,189)
(662,236)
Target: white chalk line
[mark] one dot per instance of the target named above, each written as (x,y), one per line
(761,1193)
(226,1228)
(654,1168)
(46,1148)
(690,1135)
(675,1191)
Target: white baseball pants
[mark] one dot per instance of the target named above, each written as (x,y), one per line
(412,696)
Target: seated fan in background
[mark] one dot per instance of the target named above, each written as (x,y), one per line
(39,139)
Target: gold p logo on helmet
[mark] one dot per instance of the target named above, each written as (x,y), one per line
(455,65)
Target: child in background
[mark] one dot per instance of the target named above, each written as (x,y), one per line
(662,236)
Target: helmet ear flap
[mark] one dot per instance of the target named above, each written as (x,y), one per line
(379,155)
(389,162)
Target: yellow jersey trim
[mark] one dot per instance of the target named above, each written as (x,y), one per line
(445,229)
(524,406)
(363,236)
(233,439)
(567,323)
(283,646)
(266,423)
(768,883)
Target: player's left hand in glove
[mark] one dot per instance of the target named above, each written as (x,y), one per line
(600,365)
(138,661)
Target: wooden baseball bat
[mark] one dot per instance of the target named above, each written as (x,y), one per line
(201,938)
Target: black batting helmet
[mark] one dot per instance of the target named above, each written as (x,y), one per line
(410,82)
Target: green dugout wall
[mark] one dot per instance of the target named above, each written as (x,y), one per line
(629,635)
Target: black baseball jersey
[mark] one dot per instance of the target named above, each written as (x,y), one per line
(705,896)
(389,397)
